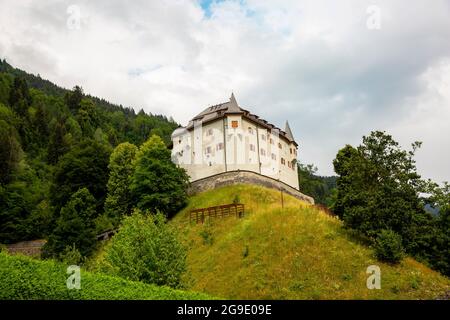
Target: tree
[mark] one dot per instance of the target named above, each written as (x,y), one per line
(57,145)
(73,99)
(378,189)
(75,226)
(146,249)
(87,117)
(121,168)
(10,151)
(19,96)
(157,183)
(320,188)
(41,124)
(85,165)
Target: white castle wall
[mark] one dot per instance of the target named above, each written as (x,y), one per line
(201,151)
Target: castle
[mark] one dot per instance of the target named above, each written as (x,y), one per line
(227,138)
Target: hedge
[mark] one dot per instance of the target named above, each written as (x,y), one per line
(26,278)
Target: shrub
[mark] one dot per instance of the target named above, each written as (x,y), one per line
(71,256)
(146,249)
(26,278)
(388,246)
(207,236)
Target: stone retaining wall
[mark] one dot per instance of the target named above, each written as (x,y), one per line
(30,248)
(241,176)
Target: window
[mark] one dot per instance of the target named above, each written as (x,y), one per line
(208,150)
(289,164)
(219,146)
(283,161)
(209,132)
(250,130)
(234,124)
(290,150)
(252,147)
(271,141)
(279,145)
(263,152)
(263,137)
(274,157)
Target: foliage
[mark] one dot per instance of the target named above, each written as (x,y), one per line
(71,256)
(73,99)
(388,246)
(53,142)
(378,188)
(121,167)
(146,249)
(19,96)
(84,166)
(23,278)
(318,187)
(10,149)
(75,226)
(157,183)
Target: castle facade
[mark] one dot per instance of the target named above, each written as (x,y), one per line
(226,137)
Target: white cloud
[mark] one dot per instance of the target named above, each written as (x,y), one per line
(312,62)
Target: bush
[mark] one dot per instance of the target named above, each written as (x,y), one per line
(71,256)
(146,249)
(25,278)
(388,246)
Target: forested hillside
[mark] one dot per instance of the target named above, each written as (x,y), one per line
(55,142)
(321,188)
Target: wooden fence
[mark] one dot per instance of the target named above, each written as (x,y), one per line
(199,215)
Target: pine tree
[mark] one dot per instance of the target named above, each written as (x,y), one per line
(73,99)
(57,145)
(19,96)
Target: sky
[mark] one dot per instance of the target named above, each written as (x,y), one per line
(337,70)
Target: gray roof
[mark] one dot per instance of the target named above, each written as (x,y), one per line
(219,111)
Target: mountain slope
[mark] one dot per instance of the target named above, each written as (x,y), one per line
(297,252)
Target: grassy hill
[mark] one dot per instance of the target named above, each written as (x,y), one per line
(297,252)
(26,278)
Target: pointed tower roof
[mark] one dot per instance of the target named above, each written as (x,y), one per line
(288,131)
(233,106)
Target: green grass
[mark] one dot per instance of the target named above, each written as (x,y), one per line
(26,278)
(297,252)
